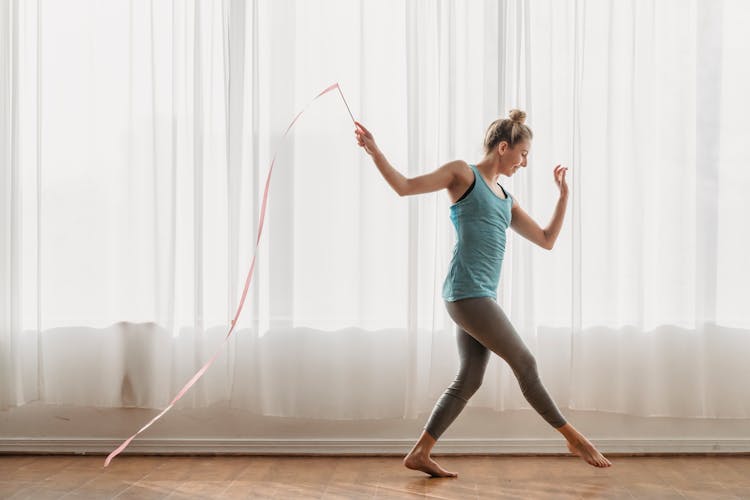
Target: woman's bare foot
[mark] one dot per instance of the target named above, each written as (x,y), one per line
(419,461)
(584,449)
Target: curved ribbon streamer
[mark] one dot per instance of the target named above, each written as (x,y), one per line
(203,369)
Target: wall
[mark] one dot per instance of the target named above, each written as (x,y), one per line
(39,427)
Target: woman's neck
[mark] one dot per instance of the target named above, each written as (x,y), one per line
(490,168)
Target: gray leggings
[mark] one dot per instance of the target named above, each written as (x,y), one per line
(481,327)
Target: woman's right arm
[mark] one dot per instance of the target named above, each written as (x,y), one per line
(441,178)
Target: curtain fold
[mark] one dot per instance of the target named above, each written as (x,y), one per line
(135,142)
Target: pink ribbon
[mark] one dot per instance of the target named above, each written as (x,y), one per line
(203,369)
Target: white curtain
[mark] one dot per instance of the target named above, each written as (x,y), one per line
(136,139)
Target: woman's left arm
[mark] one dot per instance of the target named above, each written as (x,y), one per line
(523,224)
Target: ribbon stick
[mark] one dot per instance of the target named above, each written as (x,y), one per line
(203,369)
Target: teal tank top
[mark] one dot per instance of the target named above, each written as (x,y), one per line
(480,218)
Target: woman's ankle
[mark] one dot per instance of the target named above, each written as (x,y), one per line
(570,433)
(425,444)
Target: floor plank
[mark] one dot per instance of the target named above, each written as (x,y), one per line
(329,477)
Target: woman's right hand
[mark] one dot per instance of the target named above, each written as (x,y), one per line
(365,138)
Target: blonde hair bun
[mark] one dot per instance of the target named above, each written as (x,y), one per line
(517,116)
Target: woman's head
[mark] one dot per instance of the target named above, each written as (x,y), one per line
(509,136)
(511,130)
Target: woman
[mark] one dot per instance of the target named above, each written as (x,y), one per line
(481,211)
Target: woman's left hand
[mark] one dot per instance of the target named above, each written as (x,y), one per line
(560,180)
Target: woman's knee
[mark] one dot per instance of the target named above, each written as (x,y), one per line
(473,384)
(525,364)
(468,382)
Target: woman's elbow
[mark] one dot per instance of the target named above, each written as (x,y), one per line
(403,189)
(547,243)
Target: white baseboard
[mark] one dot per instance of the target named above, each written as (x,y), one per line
(14,445)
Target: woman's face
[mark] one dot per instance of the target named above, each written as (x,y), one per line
(514,158)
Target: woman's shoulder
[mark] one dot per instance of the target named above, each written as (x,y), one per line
(464,171)
(463,180)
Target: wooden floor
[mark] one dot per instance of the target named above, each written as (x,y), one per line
(522,477)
